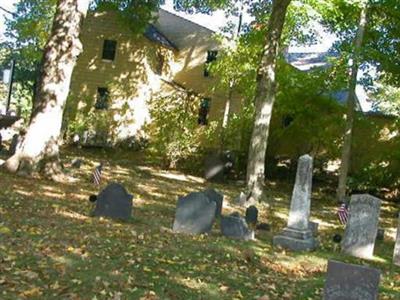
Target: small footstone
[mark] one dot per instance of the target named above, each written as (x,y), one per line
(241,199)
(252,215)
(234,226)
(76,163)
(314,228)
(264,226)
(114,202)
(218,198)
(380,236)
(351,282)
(195,214)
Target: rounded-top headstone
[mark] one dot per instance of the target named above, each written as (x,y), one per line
(114,202)
(195,214)
(218,198)
(252,215)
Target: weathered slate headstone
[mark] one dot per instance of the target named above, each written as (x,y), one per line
(396,254)
(380,236)
(251,215)
(195,214)
(114,202)
(76,163)
(14,143)
(218,198)
(362,226)
(314,228)
(351,282)
(297,235)
(214,167)
(1,142)
(236,227)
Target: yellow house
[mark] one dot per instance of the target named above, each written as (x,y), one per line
(119,72)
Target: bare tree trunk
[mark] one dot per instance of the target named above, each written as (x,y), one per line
(351,101)
(264,100)
(39,149)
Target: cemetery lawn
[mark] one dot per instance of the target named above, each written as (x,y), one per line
(50,247)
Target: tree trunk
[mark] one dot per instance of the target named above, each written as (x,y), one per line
(351,101)
(38,150)
(264,100)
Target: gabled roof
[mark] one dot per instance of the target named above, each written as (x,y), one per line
(153,34)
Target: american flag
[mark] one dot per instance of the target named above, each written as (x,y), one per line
(97,174)
(343,214)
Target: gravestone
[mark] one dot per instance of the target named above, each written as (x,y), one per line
(114,202)
(314,228)
(297,235)
(380,236)
(362,226)
(218,165)
(396,254)
(195,214)
(76,163)
(252,215)
(241,199)
(213,195)
(14,143)
(214,168)
(234,226)
(351,282)
(1,142)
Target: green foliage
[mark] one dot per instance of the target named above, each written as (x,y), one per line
(175,134)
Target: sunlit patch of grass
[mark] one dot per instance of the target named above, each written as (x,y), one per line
(50,247)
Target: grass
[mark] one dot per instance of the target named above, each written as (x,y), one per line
(51,249)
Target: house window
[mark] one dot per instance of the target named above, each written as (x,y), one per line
(109,49)
(211,56)
(102,98)
(203,111)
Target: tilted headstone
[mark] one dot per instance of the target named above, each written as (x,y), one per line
(213,195)
(297,235)
(362,226)
(114,202)
(396,254)
(195,214)
(1,142)
(234,226)
(252,215)
(351,282)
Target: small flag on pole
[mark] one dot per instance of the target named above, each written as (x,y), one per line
(97,174)
(343,214)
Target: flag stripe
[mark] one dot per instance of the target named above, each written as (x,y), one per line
(343,214)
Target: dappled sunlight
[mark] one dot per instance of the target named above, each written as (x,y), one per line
(71,214)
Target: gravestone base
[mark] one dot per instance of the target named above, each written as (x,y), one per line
(296,240)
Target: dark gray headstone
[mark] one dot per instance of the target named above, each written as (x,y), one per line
(236,227)
(214,167)
(396,253)
(380,236)
(218,198)
(114,202)
(314,228)
(76,163)
(14,143)
(251,215)
(351,282)
(1,142)
(297,235)
(362,226)
(195,214)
